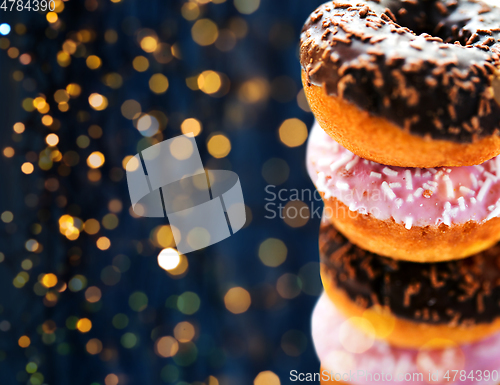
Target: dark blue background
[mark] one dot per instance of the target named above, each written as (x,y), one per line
(233,348)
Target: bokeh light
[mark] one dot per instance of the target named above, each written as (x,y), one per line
(237,300)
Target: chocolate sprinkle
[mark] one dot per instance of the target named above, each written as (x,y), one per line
(382,66)
(456,293)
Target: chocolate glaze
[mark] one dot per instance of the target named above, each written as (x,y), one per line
(464,292)
(436,85)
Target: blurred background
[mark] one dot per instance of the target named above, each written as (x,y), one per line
(84,296)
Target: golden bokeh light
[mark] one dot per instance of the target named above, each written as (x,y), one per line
(19,128)
(254,90)
(219,146)
(131,109)
(52,140)
(158,83)
(93,62)
(293,132)
(93,294)
(111,379)
(8,152)
(267,378)
(149,44)
(209,82)
(103,243)
(24,341)
(237,300)
(288,286)
(95,159)
(91,226)
(49,280)
(74,90)
(166,346)
(63,59)
(205,32)
(140,63)
(84,325)
(47,120)
(51,17)
(272,252)
(184,332)
(296,213)
(27,168)
(191,125)
(190,10)
(94,346)
(98,102)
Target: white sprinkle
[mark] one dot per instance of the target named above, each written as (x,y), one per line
(450,193)
(409,180)
(494,213)
(473,180)
(491,207)
(461,203)
(446,214)
(321,185)
(448,170)
(340,162)
(438,175)
(418,192)
(473,200)
(429,187)
(324,162)
(417,172)
(409,198)
(490,175)
(388,191)
(365,161)
(395,185)
(433,183)
(433,170)
(398,202)
(466,190)
(426,174)
(408,222)
(375,175)
(454,212)
(352,206)
(479,167)
(342,185)
(389,171)
(484,189)
(352,163)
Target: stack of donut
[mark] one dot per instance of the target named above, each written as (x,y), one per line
(404,152)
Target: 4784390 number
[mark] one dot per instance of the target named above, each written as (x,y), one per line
(478,375)
(28,5)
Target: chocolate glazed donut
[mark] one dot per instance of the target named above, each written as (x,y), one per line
(457,300)
(402,99)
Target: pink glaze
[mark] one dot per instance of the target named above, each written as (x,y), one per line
(411,196)
(344,350)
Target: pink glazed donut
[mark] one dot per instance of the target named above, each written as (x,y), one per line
(347,355)
(413,214)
